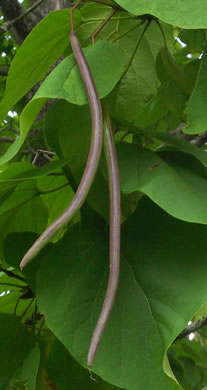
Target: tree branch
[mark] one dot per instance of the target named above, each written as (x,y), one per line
(4,70)
(200,139)
(194,327)
(7,139)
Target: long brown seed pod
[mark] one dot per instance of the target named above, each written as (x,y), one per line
(115,223)
(93,157)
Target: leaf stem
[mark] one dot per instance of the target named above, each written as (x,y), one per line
(101,26)
(71,15)
(135,50)
(53,189)
(115,227)
(115,6)
(11,285)
(85,20)
(127,32)
(162,32)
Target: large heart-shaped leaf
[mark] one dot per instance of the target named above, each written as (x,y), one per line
(154,301)
(185,14)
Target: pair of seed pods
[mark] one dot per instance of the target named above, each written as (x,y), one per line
(100,122)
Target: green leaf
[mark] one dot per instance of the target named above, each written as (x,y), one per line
(152,112)
(175,72)
(29,370)
(22,212)
(16,343)
(92,14)
(149,311)
(173,97)
(195,17)
(188,359)
(194,39)
(57,201)
(182,145)
(15,246)
(20,171)
(175,181)
(140,82)
(11,303)
(4,279)
(73,144)
(106,62)
(43,46)
(196,108)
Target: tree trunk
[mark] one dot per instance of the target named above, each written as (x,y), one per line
(11,9)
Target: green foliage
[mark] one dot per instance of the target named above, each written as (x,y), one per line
(156,91)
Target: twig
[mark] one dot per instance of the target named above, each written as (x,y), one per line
(37,328)
(127,32)
(12,274)
(194,327)
(71,15)
(102,25)
(40,329)
(27,308)
(46,151)
(200,139)
(7,139)
(35,158)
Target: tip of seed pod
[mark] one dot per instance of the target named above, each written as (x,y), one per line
(21,266)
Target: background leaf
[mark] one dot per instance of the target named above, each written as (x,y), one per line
(16,343)
(175,181)
(72,140)
(196,108)
(63,369)
(29,370)
(44,45)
